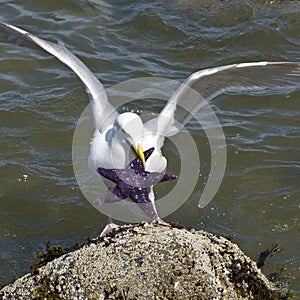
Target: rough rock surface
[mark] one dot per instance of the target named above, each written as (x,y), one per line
(148,262)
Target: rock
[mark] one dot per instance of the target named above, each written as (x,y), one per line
(148,262)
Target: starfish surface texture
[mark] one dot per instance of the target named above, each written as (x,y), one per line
(133,182)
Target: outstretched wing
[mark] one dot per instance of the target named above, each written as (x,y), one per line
(203,86)
(100,106)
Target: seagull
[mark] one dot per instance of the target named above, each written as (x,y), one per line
(133,182)
(119,134)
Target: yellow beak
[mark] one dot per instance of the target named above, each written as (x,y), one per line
(140,153)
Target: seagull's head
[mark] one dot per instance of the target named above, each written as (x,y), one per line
(130,129)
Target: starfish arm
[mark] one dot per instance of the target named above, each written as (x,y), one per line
(149,210)
(137,164)
(155,177)
(152,179)
(148,153)
(139,195)
(121,192)
(168,177)
(108,198)
(111,174)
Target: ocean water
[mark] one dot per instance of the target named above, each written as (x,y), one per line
(41,101)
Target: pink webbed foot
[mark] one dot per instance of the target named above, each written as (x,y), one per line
(160,222)
(108,229)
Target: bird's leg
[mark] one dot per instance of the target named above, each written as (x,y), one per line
(156,219)
(152,196)
(110,226)
(160,222)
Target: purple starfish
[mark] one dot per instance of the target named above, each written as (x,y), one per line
(133,182)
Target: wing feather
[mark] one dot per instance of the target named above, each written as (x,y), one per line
(203,86)
(101,108)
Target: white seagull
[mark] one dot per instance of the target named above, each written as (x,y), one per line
(116,134)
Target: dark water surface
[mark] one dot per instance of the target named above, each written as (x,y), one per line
(41,101)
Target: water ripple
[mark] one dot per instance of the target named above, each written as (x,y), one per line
(41,101)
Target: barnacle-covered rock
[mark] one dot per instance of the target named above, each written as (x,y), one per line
(148,262)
